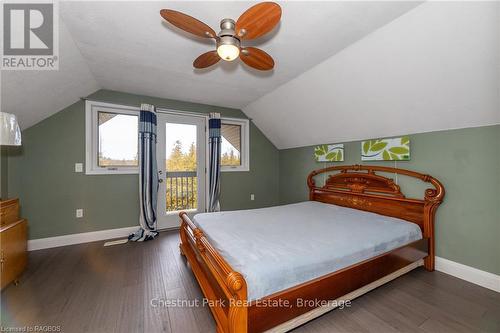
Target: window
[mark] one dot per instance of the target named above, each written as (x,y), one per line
(111,138)
(234,145)
(117,137)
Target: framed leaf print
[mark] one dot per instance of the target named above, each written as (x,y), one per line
(329,153)
(393,149)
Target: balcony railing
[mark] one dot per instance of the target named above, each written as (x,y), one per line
(182,190)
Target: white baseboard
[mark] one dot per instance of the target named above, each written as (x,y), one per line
(470,274)
(85,237)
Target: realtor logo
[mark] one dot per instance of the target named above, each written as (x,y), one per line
(30,36)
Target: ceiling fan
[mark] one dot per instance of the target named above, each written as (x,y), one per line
(253,23)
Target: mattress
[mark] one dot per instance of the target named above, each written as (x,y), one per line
(279,247)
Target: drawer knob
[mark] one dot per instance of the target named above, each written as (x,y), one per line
(2,260)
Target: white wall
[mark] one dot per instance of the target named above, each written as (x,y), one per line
(436,67)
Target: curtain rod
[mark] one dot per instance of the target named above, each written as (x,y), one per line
(161,109)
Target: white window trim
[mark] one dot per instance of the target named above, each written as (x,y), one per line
(245,144)
(91,144)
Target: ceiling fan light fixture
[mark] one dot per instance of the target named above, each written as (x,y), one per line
(228,52)
(228,48)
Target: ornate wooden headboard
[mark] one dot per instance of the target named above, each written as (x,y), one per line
(359,187)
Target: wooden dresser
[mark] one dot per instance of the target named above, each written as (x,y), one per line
(13,242)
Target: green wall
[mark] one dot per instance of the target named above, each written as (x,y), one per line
(3,172)
(466,161)
(41,173)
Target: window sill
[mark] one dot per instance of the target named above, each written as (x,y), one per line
(243,169)
(112,172)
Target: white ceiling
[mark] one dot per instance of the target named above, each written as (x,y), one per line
(35,95)
(126,46)
(436,67)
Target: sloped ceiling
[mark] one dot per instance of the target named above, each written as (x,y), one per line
(436,67)
(35,95)
(126,46)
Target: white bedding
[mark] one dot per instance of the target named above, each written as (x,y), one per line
(278,247)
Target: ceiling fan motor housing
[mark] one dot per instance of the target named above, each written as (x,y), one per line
(228,40)
(227,26)
(227,35)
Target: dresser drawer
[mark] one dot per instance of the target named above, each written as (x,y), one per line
(13,255)
(9,211)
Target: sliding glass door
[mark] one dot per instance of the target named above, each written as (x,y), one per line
(182,162)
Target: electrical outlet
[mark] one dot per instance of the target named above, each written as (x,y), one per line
(252,197)
(79,213)
(78,167)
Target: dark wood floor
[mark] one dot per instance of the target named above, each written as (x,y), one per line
(90,288)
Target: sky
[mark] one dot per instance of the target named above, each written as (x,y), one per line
(187,134)
(118,138)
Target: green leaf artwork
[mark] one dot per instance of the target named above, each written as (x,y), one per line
(392,149)
(329,153)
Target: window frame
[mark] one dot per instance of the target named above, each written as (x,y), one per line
(92,108)
(91,138)
(245,144)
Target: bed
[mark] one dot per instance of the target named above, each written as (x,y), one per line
(276,268)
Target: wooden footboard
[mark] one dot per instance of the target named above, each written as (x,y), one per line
(356,187)
(225,290)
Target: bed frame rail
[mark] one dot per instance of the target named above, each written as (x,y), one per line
(224,289)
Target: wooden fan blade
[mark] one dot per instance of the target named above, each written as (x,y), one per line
(258,20)
(256,58)
(188,23)
(206,60)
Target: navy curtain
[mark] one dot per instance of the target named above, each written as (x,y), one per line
(148,175)
(214,141)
